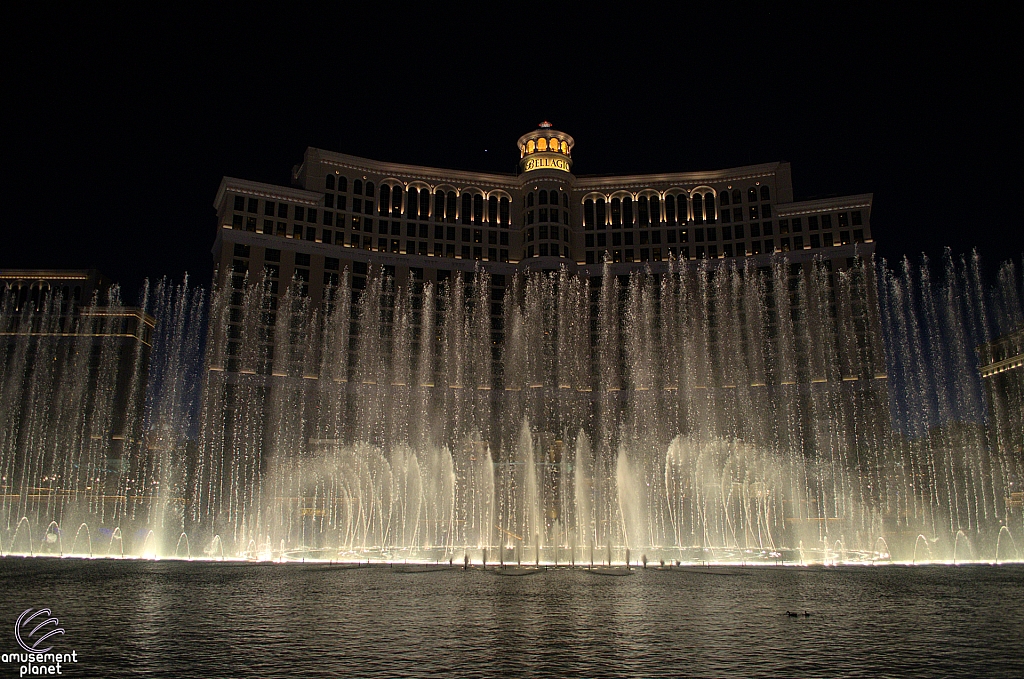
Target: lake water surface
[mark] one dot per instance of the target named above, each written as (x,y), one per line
(212,619)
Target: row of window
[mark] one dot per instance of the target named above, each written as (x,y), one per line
(739,249)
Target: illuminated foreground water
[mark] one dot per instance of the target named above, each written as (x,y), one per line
(729,414)
(214,619)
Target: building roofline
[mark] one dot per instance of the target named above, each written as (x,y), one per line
(801,207)
(262,190)
(588,182)
(428,174)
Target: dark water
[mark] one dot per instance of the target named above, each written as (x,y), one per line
(179,619)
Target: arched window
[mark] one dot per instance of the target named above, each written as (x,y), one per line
(670,210)
(723,198)
(627,212)
(451,210)
(588,214)
(369,189)
(492,210)
(439,206)
(467,207)
(412,201)
(385,200)
(542,197)
(503,212)
(478,209)
(766,193)
(396,201)
(357,187)
(752,195)
(737,197)
(655,210)
(698,208)
(424,203)
(330,182)
(616,212)
(642,211)
(601,218)
(343,183)
(529,199)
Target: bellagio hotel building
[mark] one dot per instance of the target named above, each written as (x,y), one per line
(345,212)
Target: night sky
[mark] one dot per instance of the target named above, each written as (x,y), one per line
(121,125)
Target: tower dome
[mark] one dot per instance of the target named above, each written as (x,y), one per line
(545,149)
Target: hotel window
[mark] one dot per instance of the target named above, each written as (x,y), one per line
(450,233)
(723,198)
(239,203)
(843,221)
(698,208)
(250,224)
(711,233)
(503,255)
(698,235)
(396,228)
(795,225)
(328,218)
(602,240)
(329,181)
(738,231)
(766,211)
(236,222)
(342,184)
(439,206)
(616,239)
(396,202)
(600,218)
(727,250)
(311,215)
(752,195)
(798,242)
(254,205)
(670,210)
(465,235)
(726,233)
(858,235)
(529,199)
(369,189)
(616,213)
(815,240)
(643,212)
(737,214)
(766,228)
(588,214)
(385,200)
(478,209)
(755,230)
(492,237)
(503,238)
(856,218)
(449,250)
(542,214)
(268,208)
(627,211)
(478,236)
(357,187)
(766,194)
(542,197)
(725,215)
(753,212)
(712,252)
(282,211)
(737,197)
(812,223)
(844,236)
(492,210)
(268,227)
(670,236)
(451,210)
(826,222)
(467,207)
(827,238)
(503,207)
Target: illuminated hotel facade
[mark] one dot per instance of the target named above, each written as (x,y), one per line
(348,212)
